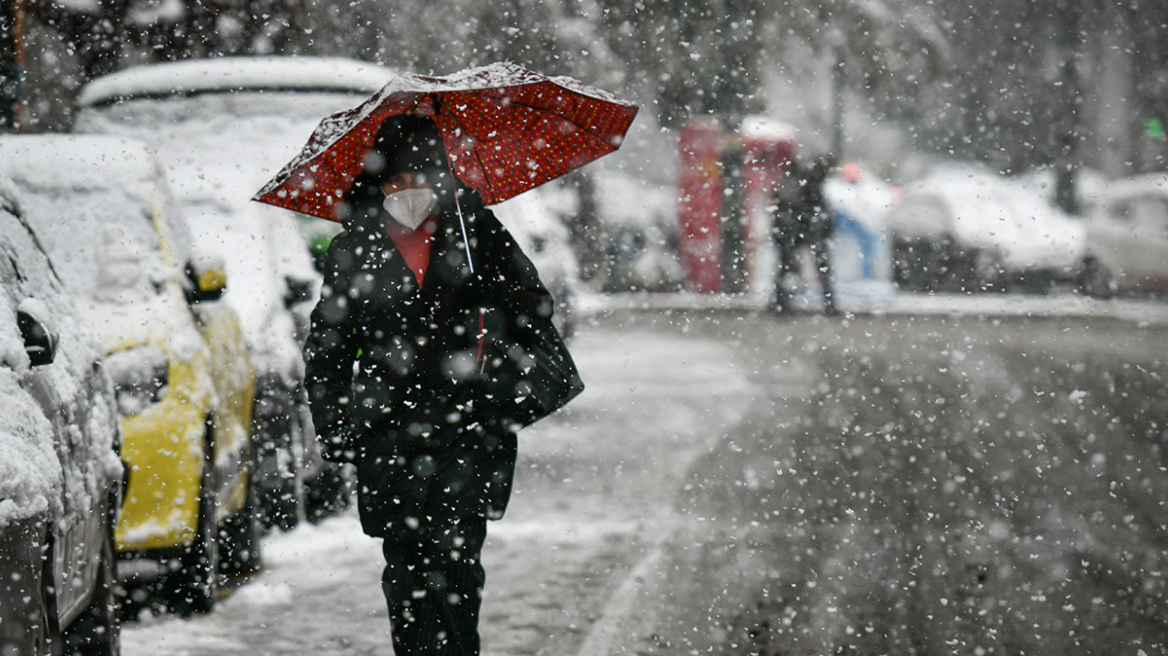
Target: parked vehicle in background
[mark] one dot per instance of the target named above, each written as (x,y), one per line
(543,237)
(635,228)
(1127,236)
(965,229)
(221,128)
(60,476)
(182,374)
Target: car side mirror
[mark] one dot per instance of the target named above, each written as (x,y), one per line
(39,342)
(206,283)
(299,291)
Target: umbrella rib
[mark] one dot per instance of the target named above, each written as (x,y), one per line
(482,168)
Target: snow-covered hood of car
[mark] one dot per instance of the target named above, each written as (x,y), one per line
(164,320)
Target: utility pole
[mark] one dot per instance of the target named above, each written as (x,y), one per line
(731,91)
(11,64)
(1066,165)
(838,82)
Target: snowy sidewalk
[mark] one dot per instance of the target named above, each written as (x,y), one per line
(594,502)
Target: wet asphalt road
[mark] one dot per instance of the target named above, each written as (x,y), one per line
(928,485)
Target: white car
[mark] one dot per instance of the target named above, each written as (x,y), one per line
(638,227)
(222,127)
(965,229)
(543,237)
(60,475)
(1127,236)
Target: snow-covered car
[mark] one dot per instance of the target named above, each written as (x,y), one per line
(543,237)
(1127,236)
(637,222)
(60,476)
(971,230)
(222,127)
(183,378)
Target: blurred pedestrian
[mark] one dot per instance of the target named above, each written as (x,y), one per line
(421,368)
(801,218)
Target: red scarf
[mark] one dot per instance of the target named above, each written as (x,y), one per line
(414,245)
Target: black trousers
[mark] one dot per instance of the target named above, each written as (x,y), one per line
(433,582)
(787,242)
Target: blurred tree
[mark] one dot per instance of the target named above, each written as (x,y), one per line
(11,63)
(1024,74)
(94,29)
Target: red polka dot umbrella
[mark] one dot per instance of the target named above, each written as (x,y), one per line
(506,130)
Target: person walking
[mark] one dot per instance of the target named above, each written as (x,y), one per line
(801,218)
(422,364)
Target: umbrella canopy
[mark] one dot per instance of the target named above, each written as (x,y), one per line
(506,130)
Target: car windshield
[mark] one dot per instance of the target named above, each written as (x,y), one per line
(245,135)
(108,249)
(218,149)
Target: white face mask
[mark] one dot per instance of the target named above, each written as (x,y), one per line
(411,207)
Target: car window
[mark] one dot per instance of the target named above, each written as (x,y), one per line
(104,242)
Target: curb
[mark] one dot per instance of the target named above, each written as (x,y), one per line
(624,620)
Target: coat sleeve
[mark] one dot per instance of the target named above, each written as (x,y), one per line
(329,354)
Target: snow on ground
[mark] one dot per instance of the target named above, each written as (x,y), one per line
(594,529)
(595,489)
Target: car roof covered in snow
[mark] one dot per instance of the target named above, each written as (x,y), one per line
(40,161)
(767,128)
(227,74)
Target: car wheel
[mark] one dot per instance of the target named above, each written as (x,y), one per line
(277,470)
(1095,280)
(96,631)
(239,547)
(192,585)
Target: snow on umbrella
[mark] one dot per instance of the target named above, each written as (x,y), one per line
(506,130)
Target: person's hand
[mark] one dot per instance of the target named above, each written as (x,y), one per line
(338,445)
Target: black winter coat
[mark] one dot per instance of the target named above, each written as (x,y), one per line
(424,387)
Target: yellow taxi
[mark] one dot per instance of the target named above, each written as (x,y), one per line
(183,378)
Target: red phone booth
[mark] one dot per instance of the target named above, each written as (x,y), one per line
(700,204)
(767,149)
